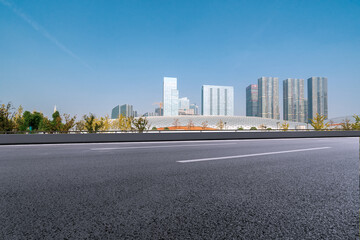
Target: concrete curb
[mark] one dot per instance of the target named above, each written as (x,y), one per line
(11,139)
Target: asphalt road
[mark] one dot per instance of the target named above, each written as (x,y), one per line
(247,189)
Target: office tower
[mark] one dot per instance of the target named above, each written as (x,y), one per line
(217,100)
(268,97)
(317,97)
(306,111)
(170,97)
(115,112)
(293,99)
(184,103)
(252,100)
(195,108)
(125,110)
(159,111)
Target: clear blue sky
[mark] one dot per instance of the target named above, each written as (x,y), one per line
(88,56)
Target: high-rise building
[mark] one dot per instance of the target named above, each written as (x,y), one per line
(268,100)
(293,99)
(252,100)
(217,100)
(170,97)
(317,97)
(306,111)
(195,108)
(125,110)
(184,103)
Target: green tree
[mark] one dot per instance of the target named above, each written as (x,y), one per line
(18,118)
(6,117)
(32,120)
(356,125)
(318,122)
(69,123)
(141,124)
(91,125)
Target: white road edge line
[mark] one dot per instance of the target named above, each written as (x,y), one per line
(167,146)
(251,155)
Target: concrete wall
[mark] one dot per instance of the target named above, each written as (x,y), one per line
(170,136)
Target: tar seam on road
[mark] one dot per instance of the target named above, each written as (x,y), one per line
(251,155)
(187,145)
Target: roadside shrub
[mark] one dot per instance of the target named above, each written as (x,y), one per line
(154,128)
(269,129)
(253,128)
(166,128)
(240,128)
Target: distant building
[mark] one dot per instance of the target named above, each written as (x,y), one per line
(159,111)
(149,114)
(170,97)
(195,108)
(293,99)
(252,100)
(306,111)
(317,96)
(125,110)
(186,112)
(268,92)
(217,100)
(184,103)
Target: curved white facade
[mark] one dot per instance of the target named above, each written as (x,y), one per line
(232,122)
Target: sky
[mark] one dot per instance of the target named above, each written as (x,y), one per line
(89,56)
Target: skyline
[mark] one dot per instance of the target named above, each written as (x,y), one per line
(130,53)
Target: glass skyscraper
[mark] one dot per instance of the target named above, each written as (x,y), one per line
(293,96)
(317,97)
(217,100)
(268,97)
(170,97)
(125,110)
(252,100)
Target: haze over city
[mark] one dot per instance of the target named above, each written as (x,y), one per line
(90,56)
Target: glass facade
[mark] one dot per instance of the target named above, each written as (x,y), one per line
(317,97)
(217,100)
(126,110)
(293,99)
(252,100)
(268,97)
(170,97)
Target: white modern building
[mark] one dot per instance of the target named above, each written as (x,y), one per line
(217,100)
(170,97)
(184,103)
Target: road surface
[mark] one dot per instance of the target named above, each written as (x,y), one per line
(235,189)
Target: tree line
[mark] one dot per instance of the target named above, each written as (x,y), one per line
(18,120)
